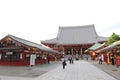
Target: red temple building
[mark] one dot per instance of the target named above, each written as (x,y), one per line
(19,52)
(111,53)
(74,40)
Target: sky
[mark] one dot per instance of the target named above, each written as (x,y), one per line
(37,20)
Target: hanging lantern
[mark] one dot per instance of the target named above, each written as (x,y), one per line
(34,49)
(93,53)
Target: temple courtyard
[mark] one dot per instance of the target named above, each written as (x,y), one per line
(80,70)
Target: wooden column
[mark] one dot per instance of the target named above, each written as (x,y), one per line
(63,50)
(72,53)
(81,51)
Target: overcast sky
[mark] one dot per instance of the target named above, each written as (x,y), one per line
(36,20)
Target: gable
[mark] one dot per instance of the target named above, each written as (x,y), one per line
(8,41)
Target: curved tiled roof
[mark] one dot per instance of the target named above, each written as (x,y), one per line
(32,44)
(96,46)
(50,41)
(76,35)
(112,46)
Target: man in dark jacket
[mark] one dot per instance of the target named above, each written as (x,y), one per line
(64,64)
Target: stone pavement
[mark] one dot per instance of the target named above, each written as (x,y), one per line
(25,72)
(112,70)
(80,70)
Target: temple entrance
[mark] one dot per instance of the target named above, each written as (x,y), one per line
(75,52)
(68,51)
(72,51)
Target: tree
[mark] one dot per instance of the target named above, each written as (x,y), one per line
(113,38)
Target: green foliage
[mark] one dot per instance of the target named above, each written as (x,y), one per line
(113,38)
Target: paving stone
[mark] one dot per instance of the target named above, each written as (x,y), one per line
(80,70)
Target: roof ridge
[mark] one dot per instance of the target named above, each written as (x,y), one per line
(82,26)
(23,39)
(35,45)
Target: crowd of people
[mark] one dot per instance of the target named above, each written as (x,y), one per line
(71,59)
(85,56)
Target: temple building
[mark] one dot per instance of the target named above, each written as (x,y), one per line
(111,53)
(19,52)
(74,40)
(93,50)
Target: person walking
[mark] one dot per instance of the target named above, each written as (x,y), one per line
(112,60)
(100,59)
(87,56)
(45,59)
(64,64)
(70,59)
(48,58)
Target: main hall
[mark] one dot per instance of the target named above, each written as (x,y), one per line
(74,40)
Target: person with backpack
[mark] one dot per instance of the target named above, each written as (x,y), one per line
(64,63)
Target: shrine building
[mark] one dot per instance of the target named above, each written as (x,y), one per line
(72,40)
(17,52)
